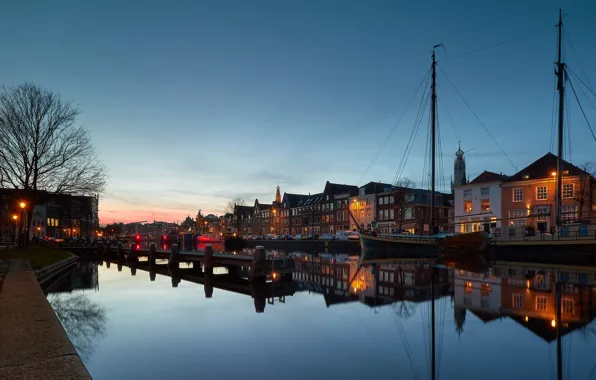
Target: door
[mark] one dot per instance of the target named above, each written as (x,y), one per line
(542,227)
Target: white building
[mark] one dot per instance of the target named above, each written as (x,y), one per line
(477,205)
(477,292)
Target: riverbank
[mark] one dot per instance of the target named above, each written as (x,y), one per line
(309,246)
(38,257)
(35,345)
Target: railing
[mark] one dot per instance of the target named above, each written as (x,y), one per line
(519,234)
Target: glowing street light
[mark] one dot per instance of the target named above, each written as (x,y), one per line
(14,217)
(22,204)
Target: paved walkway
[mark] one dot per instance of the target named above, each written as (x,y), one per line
(33,343)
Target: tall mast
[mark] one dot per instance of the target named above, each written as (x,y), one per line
(560,72)
(433,139)
(432,317)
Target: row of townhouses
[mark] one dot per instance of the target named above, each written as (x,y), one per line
(376,205)
(54,215)
(491,200)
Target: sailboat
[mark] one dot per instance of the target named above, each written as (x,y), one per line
(566,239)
(390,246)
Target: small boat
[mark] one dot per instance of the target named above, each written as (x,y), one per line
(209,238)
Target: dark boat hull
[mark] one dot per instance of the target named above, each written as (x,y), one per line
(378,248)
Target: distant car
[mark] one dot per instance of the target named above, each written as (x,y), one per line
(298,237)
(277,237)
(327,237)
(289,237)
(346,235)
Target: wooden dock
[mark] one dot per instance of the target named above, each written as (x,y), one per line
(259,265)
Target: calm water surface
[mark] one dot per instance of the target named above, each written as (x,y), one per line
(492,321)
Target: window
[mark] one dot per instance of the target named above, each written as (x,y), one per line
(409,197)
(361,191)
(391,200)
(391,214)
(484,192)
(485,205)
(468,193)
(380,200)
(518,194)
(468,288)
(541,193)
(518,217)
(485,289)
(380,214)
(386,212)
(339,216)
(542,213)
(467,206)
(541,303)
(569,212)
(567,306)
(567,191)
(518,301)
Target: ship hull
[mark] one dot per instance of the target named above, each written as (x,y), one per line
(380,248)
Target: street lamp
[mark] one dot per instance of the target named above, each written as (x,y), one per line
(16,226)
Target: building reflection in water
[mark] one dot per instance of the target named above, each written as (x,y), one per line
(527,293)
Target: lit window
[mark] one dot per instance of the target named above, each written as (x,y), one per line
(541,193)
(540,303)
(468,206)
(485,205)
(567,191)
(518,217)
(567,306)
(569,212)
(485,289)
(518,194)
(468,288)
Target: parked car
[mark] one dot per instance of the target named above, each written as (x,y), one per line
(269,237)
(289,237)
(346,236)
(278,237)
(298,237)
(327,237)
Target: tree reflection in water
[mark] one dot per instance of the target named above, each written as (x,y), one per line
(83,320)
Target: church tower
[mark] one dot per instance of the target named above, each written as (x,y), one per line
(278,196)
(459,169)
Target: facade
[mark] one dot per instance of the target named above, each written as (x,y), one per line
(51,215)
(364,204)
(289,224)
(478,205)
(529,195)
(405,209)
(329,206)
(306,215)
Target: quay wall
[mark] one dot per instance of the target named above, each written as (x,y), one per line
(309,246)
(35,345)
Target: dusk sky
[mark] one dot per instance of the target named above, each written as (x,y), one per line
(191,103)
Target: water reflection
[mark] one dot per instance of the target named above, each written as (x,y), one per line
(407,305)
(83,320)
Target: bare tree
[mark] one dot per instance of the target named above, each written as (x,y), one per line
(401,205)
(41,148)
(233,203)
(405,182)
(581,193)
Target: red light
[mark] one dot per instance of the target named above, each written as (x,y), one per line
(165,237)
(138,246)
(138,237)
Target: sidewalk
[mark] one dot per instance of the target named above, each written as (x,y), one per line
(33,344)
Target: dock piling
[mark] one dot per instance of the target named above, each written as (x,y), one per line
(208,257)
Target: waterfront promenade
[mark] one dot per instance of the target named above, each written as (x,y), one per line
(34,343)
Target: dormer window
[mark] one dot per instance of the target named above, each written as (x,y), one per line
(526,176)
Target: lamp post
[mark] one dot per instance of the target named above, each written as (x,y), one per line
(557,206)
(24,226)
(16,226)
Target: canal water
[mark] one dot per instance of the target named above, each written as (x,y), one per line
(492,320)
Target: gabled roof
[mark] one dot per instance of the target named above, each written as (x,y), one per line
(335,188)
(310,200)
(487,176)
(293,199)
(377,187)
(243,209)
(544,167)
